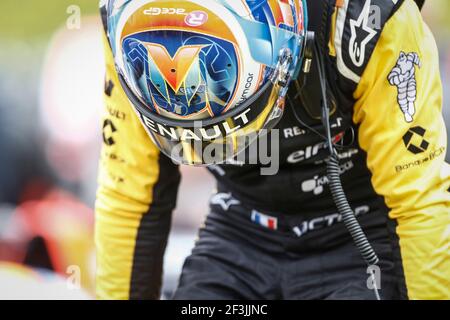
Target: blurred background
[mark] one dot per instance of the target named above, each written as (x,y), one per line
(51,87)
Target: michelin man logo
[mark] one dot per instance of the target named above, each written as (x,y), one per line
(403,76)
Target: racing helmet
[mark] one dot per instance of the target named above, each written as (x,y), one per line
(206,77)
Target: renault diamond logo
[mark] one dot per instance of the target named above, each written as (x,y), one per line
(414,140)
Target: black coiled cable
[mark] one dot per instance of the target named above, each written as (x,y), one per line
(335,184)
(348,217)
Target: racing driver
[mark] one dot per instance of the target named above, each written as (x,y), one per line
(214,82)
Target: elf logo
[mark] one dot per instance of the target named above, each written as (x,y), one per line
(311,151)
(305,154)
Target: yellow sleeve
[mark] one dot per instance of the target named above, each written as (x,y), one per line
(136,194)
(398,109)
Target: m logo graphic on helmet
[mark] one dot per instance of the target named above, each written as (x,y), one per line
(174,69)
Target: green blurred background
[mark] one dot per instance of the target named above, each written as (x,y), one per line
(34,20)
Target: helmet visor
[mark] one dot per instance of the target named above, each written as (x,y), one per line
(213,141)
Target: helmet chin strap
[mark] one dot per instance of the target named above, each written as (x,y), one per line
(283,76)
(304,68)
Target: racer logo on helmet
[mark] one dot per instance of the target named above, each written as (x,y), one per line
(174,70)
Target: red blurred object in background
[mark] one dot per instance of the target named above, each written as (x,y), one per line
(54,232)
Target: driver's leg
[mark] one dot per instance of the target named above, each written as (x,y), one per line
(233,259)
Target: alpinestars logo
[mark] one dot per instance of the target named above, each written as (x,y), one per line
(403,76)
(414,145)
(224,200)
(361,34)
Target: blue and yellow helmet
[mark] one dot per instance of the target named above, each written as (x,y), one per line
(206,76)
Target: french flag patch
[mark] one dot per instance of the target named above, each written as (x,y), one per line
(264,220)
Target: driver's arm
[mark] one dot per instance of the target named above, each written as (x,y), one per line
(136,195)
(407,159)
